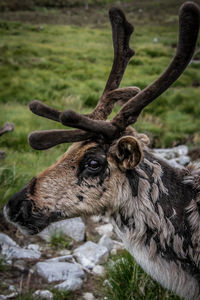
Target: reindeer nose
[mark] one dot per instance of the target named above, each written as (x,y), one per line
(17,207)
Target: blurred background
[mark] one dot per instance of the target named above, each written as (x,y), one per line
(60,52)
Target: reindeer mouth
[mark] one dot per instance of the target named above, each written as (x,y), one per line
(24,230)
(21,212)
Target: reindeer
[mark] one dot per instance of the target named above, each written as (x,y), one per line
(109,169)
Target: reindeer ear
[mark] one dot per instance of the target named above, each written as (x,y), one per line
(127,153)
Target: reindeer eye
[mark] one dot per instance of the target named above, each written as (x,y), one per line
(93,165)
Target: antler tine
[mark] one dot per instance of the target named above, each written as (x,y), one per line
(45,139)
(41,140)
(123,94)
(121,33)
(40,109)
(189,19)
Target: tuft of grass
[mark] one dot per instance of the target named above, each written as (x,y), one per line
(125,280)
(26,295)
(4,267)
(63,295)
(60,241)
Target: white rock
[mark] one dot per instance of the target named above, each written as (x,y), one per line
(173,163)
(98,270)
(60,258)
(57,271)
(43,294)
(91,254)
(19,253)
(171,153)
(74,228)
(181,150)
(88,296)
(64,252)
(35,247)
(12,288)
(5,239)
(105,229)
(106,242)
(11,250)
(183,160)
(71,284)
(113,251)
(10,296)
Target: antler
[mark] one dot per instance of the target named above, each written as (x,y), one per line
(189,22)
(189,17)
(121,32)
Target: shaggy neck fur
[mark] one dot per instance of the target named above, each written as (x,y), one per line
(158,219)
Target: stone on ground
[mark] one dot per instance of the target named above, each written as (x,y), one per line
(88,296)
(43,294)
(106,242)
(71,284)
(91,254)
(57,271)
(74,228)
(105,229)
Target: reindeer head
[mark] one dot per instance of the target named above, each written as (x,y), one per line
(89,177)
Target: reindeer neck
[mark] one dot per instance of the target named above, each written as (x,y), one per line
(158,201)
(156,223)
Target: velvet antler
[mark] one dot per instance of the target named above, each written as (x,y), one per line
(189,19)
(121,32)
(189,22)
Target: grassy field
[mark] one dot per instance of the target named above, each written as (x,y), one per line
(66,66)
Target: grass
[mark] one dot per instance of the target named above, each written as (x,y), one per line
(60,241)
(127,281)
(4,267)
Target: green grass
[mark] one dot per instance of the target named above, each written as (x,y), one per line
(60,241)
(4,267)
(127,281)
